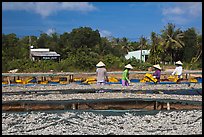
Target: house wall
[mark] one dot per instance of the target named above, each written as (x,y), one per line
(137,54)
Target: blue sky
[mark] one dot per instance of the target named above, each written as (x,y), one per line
(118,19)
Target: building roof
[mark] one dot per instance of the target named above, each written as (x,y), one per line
(44,53)
(40,49)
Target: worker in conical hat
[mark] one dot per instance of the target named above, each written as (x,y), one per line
(157,73)
(100,64)
(125,76)
(178,70)
(101,73)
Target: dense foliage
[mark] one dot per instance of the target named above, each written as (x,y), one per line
(83,48)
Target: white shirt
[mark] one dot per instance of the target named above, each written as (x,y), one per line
(177,71)
(101,74)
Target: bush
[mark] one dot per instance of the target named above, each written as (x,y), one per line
(112,62)
(137,65)
(194,66)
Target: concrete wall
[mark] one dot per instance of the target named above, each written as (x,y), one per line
(137,54)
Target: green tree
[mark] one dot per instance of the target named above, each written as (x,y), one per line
(190,40)
(42,41)
(84,37)
(173,41)
(64,45)
(143,45)
(126,46)
(156,50)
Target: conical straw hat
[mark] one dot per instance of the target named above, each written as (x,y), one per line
(100,64)
(157,66)
(129,66)
(179,62)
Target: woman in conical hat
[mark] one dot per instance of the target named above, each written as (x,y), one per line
(100,64)
(125,76)
(178,70)
(101,73)
(179,63)
(157,73)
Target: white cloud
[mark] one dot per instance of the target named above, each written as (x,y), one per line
(80,6)
(195,8)
(105,33)
(50,31)
(47,8)
(188,8)
(174,10)
(182,12)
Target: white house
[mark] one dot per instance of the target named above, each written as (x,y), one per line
(137,54)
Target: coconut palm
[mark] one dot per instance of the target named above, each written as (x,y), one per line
(199,51)
(155,50)
(173,40)
(126,46)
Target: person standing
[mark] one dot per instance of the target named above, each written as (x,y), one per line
(101,73)
(178,70)
(125,76)
(157,73)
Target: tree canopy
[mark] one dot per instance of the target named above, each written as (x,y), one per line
(82,48)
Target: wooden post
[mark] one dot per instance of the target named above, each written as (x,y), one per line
(168,106)
(14,79)
(162,106)
(155,105)
(8,80)
(70,78)
(73,106)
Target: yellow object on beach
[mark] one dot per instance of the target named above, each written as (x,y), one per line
(43,82)
(148,78)
(78,79)
(173,78)
(55,80)
(4,82)
(27,81)
(193,80)
(112,79)
(63,82)
(18,81)
(90,81)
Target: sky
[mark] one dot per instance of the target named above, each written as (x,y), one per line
(113,19)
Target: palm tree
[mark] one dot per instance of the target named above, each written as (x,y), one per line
(115,41)
(199,51)
(126,46)
(199,47)
(173,40)
(154,52)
